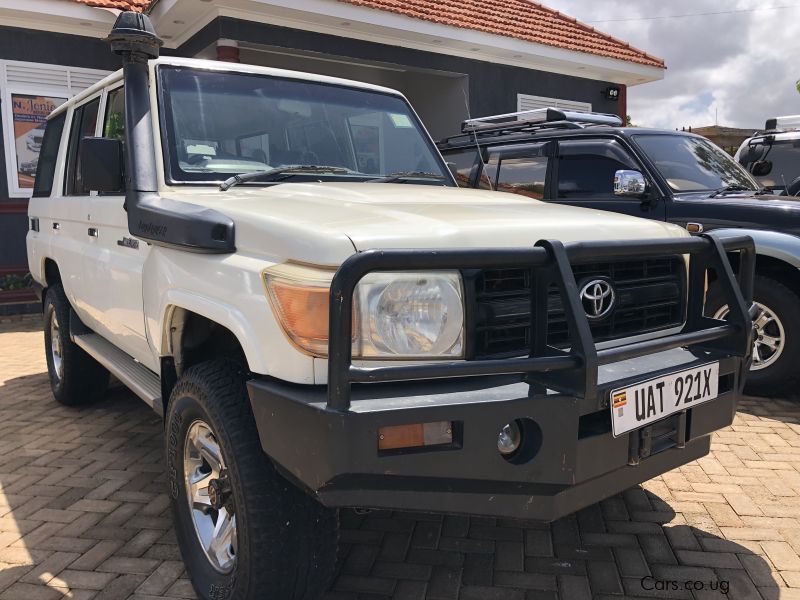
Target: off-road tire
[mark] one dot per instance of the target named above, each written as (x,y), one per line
(286,541)
(83,379)
(783,376)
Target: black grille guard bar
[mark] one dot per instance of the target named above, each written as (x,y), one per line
(572,372)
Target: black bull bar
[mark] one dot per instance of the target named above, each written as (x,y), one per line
(573,371)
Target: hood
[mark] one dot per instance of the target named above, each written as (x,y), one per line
(323,223)
(762,200)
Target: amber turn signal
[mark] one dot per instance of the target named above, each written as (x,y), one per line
(304,313)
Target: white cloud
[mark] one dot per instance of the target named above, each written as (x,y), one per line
(738,66)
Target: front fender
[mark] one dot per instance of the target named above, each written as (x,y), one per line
(228,290)
(782,246)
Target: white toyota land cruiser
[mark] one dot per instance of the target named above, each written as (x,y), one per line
(282,266)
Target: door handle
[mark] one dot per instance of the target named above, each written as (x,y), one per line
(92,231)
(56,225)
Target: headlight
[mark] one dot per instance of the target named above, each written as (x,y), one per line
(400,315)
(410,315)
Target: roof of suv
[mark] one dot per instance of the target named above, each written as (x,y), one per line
(214,65)
(493,138)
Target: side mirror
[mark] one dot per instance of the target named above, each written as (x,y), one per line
(629,184)
(761,168)
(101,164)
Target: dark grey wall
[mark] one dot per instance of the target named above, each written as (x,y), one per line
(54,49)
(493,88)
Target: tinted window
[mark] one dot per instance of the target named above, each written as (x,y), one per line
(84,123)
(692,164)
(586,168)
(785,159)
(462,162)
(46,169)
(525,176)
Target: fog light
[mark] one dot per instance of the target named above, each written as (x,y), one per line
(509,439)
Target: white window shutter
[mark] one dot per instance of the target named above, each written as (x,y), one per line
(528,102)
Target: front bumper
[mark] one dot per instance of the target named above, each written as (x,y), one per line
(335,455)
(325,438)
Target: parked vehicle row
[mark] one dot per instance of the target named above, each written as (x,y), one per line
(323,325)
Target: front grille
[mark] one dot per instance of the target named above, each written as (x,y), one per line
(650,297)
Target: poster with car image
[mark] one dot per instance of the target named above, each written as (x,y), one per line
(30,115)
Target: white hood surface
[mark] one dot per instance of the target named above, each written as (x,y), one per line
(323,223)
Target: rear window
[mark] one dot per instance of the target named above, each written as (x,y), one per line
(46,169)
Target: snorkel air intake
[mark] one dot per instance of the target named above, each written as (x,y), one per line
(158,220)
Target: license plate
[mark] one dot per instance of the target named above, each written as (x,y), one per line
(641,404)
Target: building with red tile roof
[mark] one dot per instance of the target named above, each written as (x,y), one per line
(451,58)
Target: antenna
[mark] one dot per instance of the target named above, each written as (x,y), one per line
(475,137)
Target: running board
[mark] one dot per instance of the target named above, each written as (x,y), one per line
(138,378)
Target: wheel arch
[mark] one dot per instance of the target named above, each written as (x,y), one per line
(777,255)
(195,329)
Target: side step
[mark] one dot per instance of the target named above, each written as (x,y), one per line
(138,378)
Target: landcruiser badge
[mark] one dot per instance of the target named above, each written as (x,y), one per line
(598,298)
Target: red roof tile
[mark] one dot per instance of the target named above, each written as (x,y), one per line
(521,19)
(137,5)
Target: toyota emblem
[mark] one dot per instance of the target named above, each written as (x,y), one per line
(598,298)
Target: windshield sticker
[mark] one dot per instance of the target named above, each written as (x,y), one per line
(400,120)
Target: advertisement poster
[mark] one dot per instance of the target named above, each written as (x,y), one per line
(30,114)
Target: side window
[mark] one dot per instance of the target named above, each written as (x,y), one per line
(84,123)
(114,120)
(462,163)
(46,169)
(525,176)
(586,168)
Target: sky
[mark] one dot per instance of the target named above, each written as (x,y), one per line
(737,69)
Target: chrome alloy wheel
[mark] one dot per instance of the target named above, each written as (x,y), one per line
(770,336)
(56,350)
(208,491)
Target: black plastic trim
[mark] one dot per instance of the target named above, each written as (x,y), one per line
(161,221)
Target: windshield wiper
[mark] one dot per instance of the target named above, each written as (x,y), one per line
(404,176)
(734,187)
(284,171)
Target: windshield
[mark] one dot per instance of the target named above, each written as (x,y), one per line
(785,158)
(221,124)
(691,164)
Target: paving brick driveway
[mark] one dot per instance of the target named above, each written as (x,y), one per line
(83,515)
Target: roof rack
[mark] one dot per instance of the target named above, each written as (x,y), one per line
(786,123)
(540,117)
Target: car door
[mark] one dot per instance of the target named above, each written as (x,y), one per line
(69,218)
(114,259)
(583,175)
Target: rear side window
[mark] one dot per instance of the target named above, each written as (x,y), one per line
(84,124)
(46,169)
(525,176)
(462,163)
(586,168)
